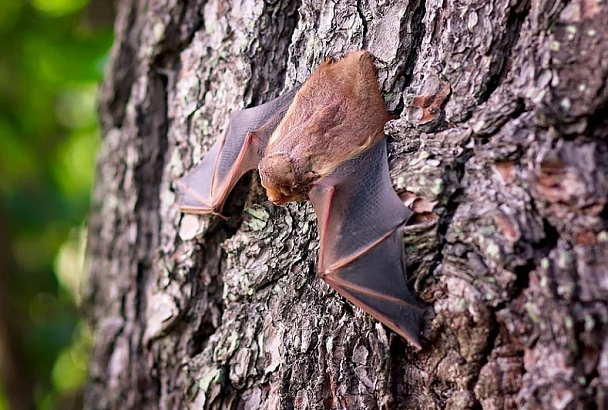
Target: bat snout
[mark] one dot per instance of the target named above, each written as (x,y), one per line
(275,196)
(282,195)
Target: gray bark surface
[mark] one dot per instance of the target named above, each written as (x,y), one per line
(501,151)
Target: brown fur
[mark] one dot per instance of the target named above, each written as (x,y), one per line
(337,114)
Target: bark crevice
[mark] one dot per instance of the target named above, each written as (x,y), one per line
(500,150)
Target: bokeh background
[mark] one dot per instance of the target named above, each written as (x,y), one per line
(52,58)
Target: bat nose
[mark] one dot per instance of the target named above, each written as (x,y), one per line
(276,197)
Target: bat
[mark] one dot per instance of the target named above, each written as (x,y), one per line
(324,141)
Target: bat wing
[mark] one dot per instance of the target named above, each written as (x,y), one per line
(361,249)
(205,189)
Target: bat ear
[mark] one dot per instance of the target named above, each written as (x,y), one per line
(366,66)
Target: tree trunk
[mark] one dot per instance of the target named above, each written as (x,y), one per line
(500,149)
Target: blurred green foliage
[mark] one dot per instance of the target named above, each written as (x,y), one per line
(51,60)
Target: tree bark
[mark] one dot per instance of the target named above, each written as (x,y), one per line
(500,149)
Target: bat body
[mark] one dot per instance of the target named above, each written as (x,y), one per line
(325,142)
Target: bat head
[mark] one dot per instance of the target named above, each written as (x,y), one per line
(278,176)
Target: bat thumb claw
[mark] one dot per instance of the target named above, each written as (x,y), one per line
(225,218)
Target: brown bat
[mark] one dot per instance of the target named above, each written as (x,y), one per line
(324,142)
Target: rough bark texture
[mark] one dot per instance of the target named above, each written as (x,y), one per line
(501,150)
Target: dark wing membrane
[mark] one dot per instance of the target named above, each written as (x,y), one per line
(205,189)
(375,282)
(361,249)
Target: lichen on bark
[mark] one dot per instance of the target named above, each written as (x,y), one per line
(500,150)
